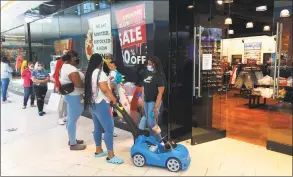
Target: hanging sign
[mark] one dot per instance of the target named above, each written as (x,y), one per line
(101,34)
(252,46)
(132,34)
(252,51)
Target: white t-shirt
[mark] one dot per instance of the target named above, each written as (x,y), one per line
(103,78)
(64,79)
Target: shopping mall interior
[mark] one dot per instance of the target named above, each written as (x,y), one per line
(228,63)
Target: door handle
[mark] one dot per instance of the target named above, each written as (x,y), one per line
(194,59)
(279,62)
(199,63)
(276,60)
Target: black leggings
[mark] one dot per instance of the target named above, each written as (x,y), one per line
(40,92)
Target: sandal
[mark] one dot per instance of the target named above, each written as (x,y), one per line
(102,154)
(115,160)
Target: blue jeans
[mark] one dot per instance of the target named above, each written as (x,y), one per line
(75,109)
(28,92)
(151,120)
(4,88)
(103,120)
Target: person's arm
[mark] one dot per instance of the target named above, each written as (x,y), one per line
(23,74)
(161,89)
(76,80)
(9,69)
(36,80)
(107,92)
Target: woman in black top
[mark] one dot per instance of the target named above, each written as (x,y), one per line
(153,89)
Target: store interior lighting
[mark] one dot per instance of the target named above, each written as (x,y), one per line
(228,21)
(261,8)
(220,2)
(190,7)
(249,25)
(266,28)
(230,31)
(285,13)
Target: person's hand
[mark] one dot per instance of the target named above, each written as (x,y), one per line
(114,101)
(156,112)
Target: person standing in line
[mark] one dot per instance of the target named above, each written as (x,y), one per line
(97,97)
(63,111)
(70,74)
(28,85)
(153,89)
(6,74)
(40,80)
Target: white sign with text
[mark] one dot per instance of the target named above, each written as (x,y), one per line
(207,60)
(102,35)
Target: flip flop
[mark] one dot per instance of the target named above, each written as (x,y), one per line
(102,154)
(115,160)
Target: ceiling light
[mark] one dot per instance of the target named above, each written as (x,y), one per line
(190,7)
(261,8)
(285,13)
(231,32)
(267,28)
(228,21)
(249,25)
(220,2)
(227,1)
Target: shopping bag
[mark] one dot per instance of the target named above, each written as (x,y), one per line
(54,102)
(124,100)
(62,105)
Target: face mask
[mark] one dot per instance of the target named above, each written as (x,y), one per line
(40,68)
(31,68)
(150,68)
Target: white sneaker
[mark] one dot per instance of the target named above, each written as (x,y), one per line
(4,102)
(61,121)
(65,119)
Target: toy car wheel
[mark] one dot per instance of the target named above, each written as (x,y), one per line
(173,164)
(138,160)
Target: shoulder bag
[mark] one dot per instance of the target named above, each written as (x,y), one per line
(65,89)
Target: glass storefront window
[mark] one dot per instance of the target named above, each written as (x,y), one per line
(15,48)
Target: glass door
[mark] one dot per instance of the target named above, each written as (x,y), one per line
(207,121)
(279,137)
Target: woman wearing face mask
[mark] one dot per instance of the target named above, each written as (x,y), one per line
(98,95)
(40,80)
(70,74)
(28,85)
(153,89)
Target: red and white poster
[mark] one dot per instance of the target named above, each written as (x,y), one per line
(132,34)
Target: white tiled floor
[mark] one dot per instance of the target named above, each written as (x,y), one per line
(39,147)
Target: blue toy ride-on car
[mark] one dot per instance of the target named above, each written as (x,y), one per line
(146,150)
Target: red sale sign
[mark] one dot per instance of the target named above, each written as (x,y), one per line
(132,34)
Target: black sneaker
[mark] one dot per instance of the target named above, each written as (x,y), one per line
(77,141)
(24,107)
(77,147)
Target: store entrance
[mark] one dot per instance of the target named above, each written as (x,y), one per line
(242,71)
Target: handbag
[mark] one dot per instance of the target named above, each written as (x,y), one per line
(65,88)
